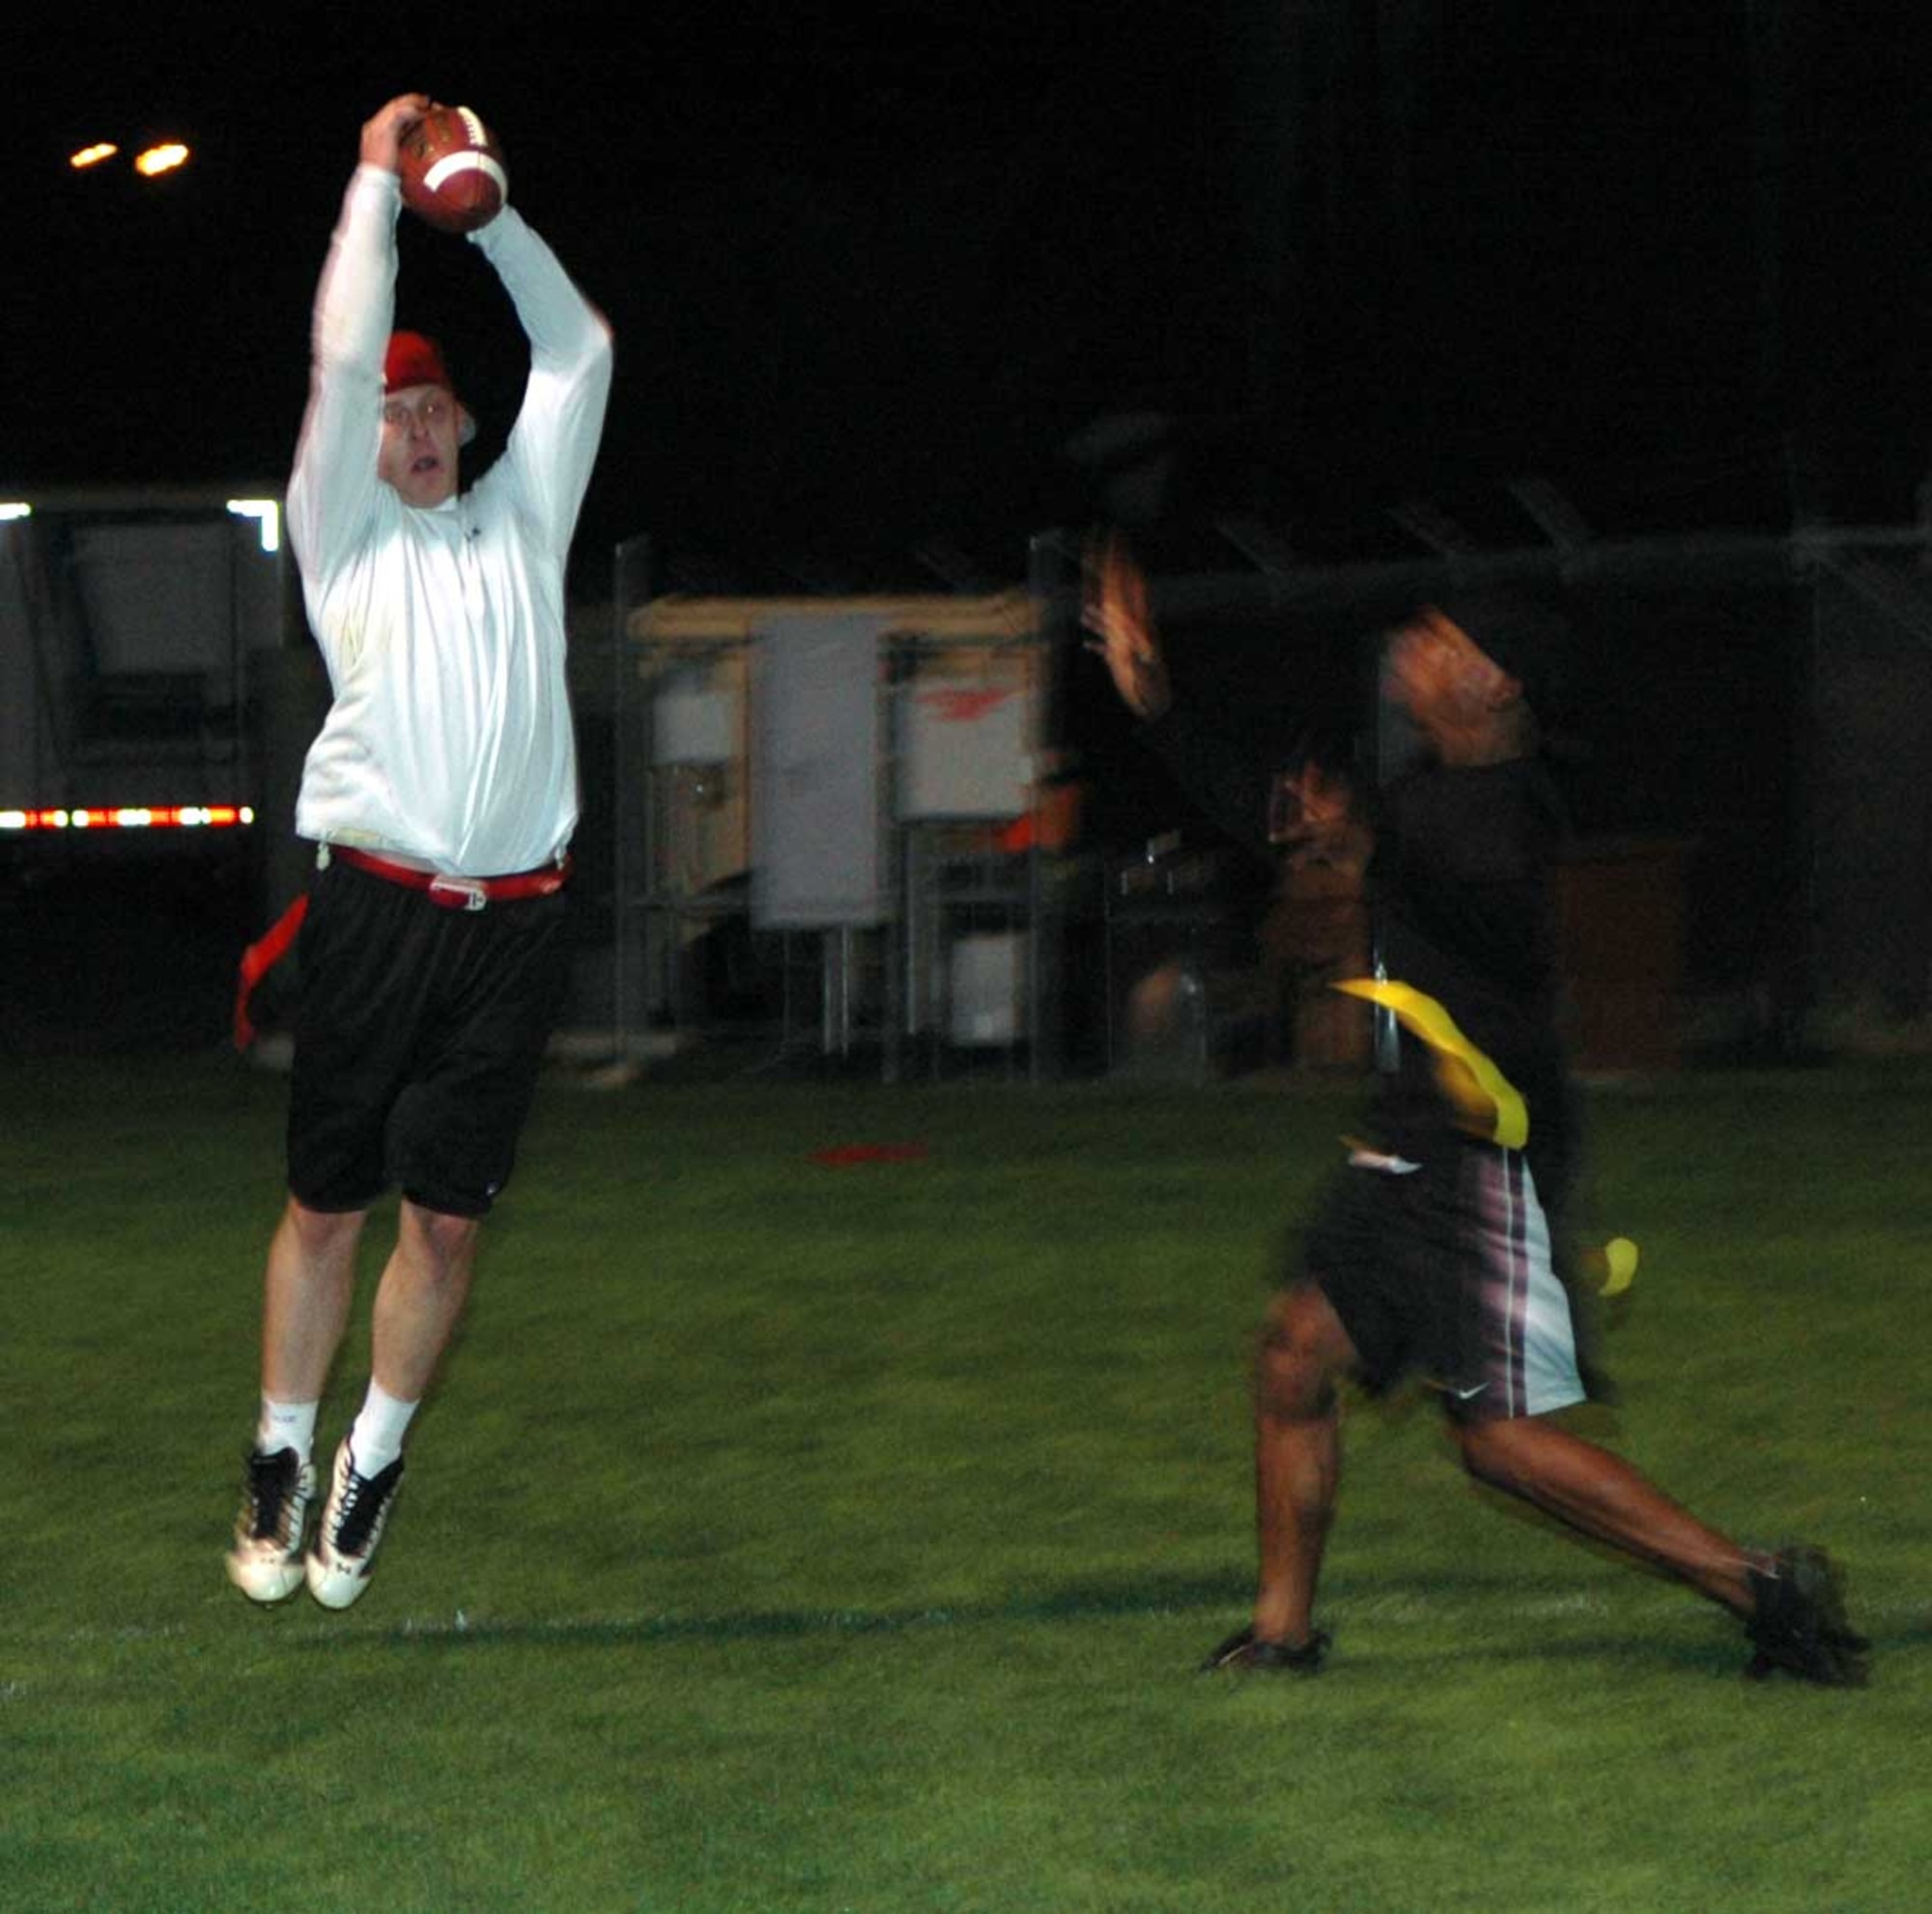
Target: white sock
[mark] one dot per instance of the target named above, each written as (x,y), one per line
(286,1425)
(377,1439)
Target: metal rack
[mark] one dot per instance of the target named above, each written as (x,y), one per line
(924,940)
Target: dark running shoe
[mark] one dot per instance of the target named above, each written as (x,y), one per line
(1800,1624)
(352,1526)
(1246,1655)
(266,1560)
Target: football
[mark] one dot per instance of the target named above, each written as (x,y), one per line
(452,170)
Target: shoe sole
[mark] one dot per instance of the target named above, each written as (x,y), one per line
(264,1586)
(332,1588)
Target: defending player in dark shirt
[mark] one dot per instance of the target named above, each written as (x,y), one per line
(1432,1254)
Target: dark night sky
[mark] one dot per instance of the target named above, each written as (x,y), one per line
(871,268)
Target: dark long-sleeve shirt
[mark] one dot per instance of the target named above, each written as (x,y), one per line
(1463,884)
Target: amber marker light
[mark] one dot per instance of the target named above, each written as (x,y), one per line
(131,817)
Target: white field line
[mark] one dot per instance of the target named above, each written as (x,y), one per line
(1403,1609)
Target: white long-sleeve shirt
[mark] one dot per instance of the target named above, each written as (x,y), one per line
(449,738)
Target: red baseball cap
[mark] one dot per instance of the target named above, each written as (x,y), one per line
(415,359)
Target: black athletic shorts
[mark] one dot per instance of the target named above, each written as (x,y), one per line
(1442,1269)
(418,1039)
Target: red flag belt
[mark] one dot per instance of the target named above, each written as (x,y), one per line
(445,891)
(458,892)
(258,960)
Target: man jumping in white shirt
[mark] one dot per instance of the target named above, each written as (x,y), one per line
(442,794)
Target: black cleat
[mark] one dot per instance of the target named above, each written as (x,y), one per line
(1246,1655)
(1800,1624)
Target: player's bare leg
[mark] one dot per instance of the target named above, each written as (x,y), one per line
(307,1294)
(422,1294)
(1599,1494)
(1792,1601)
(1304,1351)
(424,1287)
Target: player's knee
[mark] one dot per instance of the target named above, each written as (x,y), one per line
(322,1231)
(1295,1361)
(1492,1452)
(446,1244)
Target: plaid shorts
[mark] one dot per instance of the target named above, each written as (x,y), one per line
(1442,1269)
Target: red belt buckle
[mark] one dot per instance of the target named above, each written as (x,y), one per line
(457,893)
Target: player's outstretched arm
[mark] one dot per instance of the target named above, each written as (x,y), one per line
(553,446)
(1120,617)
(1221,772)
(333,485)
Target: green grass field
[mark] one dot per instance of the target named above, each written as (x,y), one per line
(787,1537)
